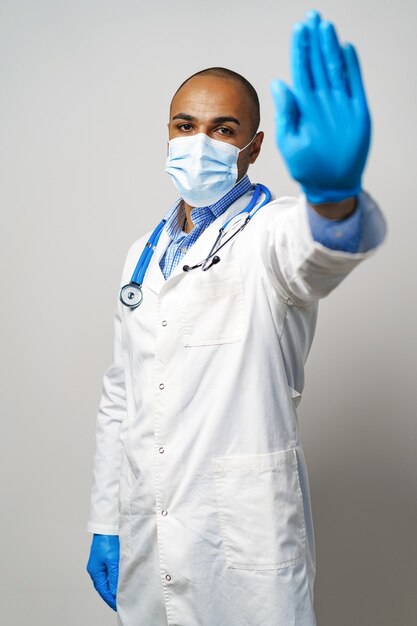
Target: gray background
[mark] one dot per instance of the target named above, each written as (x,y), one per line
(84,93)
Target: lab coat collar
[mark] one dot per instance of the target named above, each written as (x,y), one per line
(154,278)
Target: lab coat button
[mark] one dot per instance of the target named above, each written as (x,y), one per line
(167,577)
(164,513)
(184,249)
(161,386)
(161,450)
(164,323)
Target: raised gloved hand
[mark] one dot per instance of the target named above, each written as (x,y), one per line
(103,566)
(323,126)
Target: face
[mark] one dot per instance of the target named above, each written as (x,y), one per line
(220,108)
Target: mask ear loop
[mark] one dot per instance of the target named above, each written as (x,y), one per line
(248,144)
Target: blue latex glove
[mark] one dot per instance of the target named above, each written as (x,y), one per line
(103,566)
(323,125)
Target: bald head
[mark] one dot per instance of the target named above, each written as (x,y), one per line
(250,97)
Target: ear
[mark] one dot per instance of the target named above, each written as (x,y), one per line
(256,147)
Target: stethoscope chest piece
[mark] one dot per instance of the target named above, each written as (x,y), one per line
(131,295)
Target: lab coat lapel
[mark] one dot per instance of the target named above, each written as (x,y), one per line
(154,278)
(204,243)
(200,249)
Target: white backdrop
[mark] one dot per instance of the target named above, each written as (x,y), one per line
(84,94)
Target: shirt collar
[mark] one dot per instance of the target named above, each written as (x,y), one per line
(200,215)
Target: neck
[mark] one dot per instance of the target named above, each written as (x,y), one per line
(189,225)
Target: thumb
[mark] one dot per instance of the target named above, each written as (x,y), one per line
(286,108)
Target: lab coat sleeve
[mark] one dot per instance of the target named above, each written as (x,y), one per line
(304,270)
(104,512)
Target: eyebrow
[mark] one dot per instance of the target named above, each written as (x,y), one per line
(216,120)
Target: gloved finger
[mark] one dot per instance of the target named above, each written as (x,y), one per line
(318,71)
(354,77)
(287,110)
(101,585)
(300,59)
(332,57)
(113,571)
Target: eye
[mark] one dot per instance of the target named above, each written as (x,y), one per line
(185,127)
(223,130)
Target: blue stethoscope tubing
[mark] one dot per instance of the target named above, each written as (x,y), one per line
(131,295)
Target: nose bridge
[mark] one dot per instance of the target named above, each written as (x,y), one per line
(203,126)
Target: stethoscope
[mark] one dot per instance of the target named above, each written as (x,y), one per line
(131,295)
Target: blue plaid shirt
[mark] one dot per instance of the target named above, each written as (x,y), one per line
(335,234)
(201,218)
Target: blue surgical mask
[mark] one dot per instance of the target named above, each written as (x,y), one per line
(202,169)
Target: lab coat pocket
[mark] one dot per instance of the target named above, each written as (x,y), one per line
(125,493)
(213,307)
(260,508)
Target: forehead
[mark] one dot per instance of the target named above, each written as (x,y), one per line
(211,96)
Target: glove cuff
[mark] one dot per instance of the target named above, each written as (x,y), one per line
(320,196)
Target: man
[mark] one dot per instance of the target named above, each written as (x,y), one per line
(199,469)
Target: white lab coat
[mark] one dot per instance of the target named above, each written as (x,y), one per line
(199,466)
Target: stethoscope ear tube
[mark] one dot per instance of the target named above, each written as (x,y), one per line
(214,261)
(205,265)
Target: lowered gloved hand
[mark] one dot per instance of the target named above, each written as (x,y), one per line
(103,566)
(323,126)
